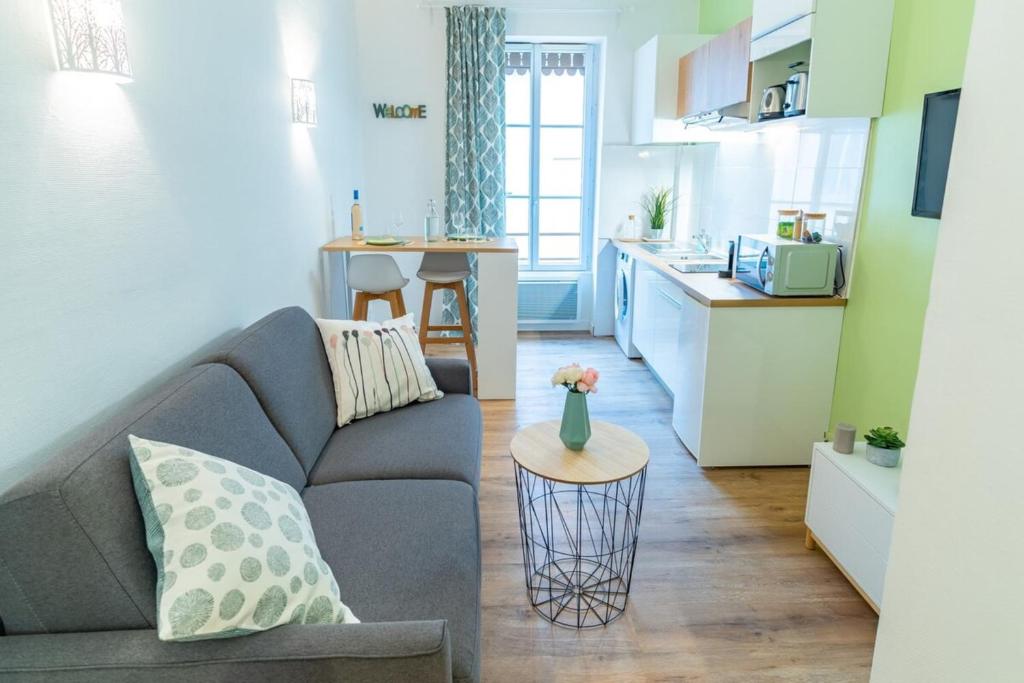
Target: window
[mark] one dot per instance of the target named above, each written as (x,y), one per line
(550,124)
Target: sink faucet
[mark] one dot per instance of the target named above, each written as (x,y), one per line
(703,239)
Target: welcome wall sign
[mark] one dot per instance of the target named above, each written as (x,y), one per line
(400,111)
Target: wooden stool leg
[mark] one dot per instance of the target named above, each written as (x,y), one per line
(467,328)
(401,303)
(359,311)
(396,307)
(428,295)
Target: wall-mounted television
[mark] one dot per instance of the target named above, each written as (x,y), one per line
(937,127)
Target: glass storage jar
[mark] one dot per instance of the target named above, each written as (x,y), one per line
(814,226)
(789,219)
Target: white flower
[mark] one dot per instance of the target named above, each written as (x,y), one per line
(570,374)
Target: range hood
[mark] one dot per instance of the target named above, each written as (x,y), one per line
(719,119)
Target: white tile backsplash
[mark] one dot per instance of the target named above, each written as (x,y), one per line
(738,185)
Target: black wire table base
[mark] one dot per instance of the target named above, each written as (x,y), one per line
(579,543)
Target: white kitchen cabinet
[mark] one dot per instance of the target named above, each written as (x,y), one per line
(851,507)
(655,90)
(844,47)
(756,383)
(656,323)
(772,15)
(643,313)
(692,353)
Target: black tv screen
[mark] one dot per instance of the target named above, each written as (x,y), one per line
(937,126)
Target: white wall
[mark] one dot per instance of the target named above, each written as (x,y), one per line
(739,184)
(954,595)
(141,222)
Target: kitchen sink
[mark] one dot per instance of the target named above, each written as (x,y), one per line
(699,266)
(672,252)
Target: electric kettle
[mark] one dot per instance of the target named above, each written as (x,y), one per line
(796,92)
(772,102)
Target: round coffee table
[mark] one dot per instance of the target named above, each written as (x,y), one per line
(579,520)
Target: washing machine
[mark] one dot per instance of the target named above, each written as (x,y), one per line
(625,287)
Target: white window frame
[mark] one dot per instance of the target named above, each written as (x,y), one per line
(590,124)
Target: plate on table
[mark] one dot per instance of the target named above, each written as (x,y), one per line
(385,241)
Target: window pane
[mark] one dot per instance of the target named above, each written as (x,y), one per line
(517,161)
(562,100)
(561,161)
(517,216)
(559,215)
(518,97)
(560,249)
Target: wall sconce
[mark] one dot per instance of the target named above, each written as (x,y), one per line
(89,36)
(303,101)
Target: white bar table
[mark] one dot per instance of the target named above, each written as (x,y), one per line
(497,282)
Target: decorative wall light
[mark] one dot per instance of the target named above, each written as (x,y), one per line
(303,101)
(89,36)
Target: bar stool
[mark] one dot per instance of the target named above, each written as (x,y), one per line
(447,271)
(376,277)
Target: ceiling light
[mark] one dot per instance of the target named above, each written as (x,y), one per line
(89,36)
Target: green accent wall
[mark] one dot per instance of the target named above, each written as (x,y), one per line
(718,15)
(894,251)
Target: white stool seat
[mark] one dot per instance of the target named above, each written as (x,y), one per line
(442,276)
(444,269)
(375,273)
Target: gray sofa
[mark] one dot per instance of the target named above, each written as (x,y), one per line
(392,498)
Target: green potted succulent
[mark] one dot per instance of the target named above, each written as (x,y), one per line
(884,446)
(657,204)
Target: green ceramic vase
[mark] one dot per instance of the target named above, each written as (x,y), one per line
(575,431)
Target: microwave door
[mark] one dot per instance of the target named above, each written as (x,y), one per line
(747,264)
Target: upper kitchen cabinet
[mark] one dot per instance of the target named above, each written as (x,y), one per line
(715,78)
(655,78)
(843,45)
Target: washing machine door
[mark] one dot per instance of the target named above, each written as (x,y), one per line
(621,296)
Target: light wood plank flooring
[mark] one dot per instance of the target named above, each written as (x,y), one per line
(723,588)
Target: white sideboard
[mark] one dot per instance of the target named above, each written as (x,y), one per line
(851,505)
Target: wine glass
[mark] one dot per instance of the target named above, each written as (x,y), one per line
(397,224)
(458,224)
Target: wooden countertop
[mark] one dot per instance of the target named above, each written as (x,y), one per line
(418,244)
(715,292)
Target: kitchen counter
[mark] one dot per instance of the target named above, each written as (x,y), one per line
(715,292)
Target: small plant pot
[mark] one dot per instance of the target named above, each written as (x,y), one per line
(884,457)
(575,431)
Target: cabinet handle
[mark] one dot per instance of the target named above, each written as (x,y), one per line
(666,295)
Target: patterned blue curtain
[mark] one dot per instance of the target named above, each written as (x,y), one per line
(475,174)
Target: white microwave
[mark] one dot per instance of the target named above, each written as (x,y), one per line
(784,267)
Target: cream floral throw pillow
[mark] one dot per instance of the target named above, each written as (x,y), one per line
(234,549)
(376,366)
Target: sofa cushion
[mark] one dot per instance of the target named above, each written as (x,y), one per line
(436,440)
(233,548)
(282,358)
(73,551)
(405,550)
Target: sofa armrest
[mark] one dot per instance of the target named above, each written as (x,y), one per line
(452,375)
(417,651)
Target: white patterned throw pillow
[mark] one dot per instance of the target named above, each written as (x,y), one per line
(234,549)
(376,366)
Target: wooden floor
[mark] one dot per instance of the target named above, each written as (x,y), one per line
(723,588)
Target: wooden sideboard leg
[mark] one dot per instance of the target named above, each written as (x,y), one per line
(809,540)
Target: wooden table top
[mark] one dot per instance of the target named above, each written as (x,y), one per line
(613,453)
(418,244)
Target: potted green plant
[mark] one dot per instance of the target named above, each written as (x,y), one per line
(884,446)
(657,204)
